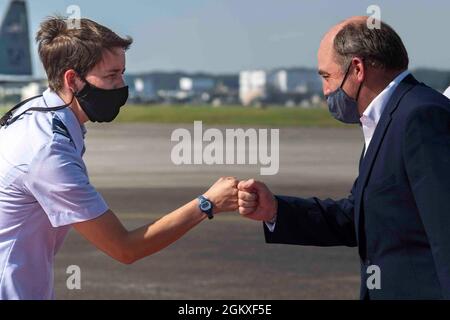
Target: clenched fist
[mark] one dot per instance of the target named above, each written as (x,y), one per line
(256,201)
(223,194)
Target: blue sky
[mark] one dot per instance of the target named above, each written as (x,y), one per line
(230,35)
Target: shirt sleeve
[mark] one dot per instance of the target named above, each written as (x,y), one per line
(271,224)
(58,180)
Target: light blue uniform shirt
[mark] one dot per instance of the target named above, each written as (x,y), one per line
(44,188)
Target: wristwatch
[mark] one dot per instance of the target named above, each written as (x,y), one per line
(206,206)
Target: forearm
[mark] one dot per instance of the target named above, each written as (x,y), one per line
(313,222)
(154,237)
(109,235)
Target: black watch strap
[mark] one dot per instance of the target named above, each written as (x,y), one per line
(206,206)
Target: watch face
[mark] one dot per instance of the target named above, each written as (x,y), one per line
(205,205)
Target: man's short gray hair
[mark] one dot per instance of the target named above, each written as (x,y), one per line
(379,47)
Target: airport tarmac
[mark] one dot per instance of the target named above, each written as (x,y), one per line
(226,258)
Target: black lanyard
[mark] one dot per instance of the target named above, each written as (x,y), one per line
(8,119)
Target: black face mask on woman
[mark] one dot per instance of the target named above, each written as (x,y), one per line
(101,105)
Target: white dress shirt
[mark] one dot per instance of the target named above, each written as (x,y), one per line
(374,110)
(371,117)
(447,93)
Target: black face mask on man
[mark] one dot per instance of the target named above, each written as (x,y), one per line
(101,105)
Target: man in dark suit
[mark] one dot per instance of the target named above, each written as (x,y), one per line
(397,212)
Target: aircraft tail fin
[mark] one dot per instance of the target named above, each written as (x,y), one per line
(15,55)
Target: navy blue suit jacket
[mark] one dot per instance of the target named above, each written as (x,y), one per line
(398,212)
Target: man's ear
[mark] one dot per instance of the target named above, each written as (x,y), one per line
(359,68)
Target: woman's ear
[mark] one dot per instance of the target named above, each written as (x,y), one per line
(71,81)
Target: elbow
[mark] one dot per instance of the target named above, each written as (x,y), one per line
(126,260)
(124,252)
(129,257)
(125,256)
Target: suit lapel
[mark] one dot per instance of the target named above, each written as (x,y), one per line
(362,158)
(372,151)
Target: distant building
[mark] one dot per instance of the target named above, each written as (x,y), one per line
(295,81)
(142,89)
(152,87)
(197,85)
(279,86)
(290,87)
(198,89)
(252,86)
(178,87)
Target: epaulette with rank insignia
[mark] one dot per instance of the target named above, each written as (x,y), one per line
(59,128)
